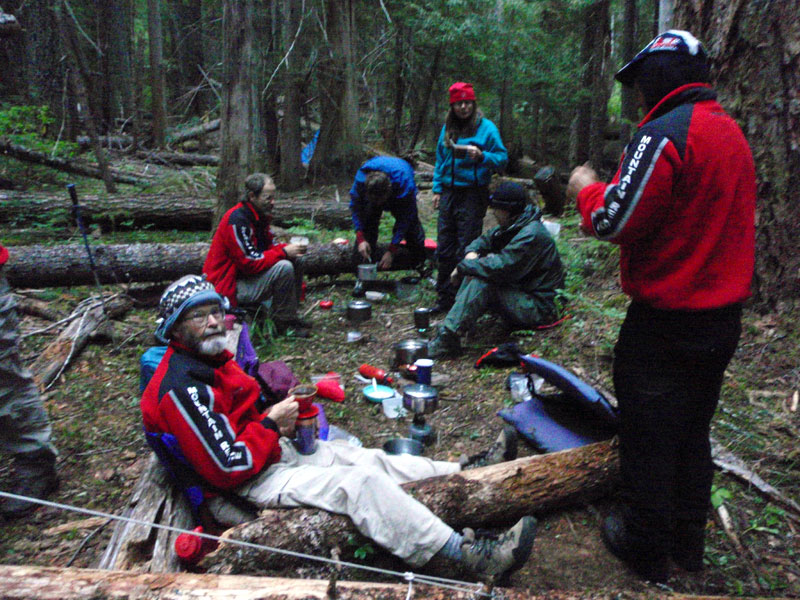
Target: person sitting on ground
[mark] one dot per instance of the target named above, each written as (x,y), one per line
(513,269)
(201,396)
(248,268)
(24,427)
(386,183)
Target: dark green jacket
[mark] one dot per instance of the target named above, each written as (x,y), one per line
(521,256)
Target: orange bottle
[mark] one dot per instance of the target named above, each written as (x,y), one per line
(371,372)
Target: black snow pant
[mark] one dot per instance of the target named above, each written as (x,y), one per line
(668,370)
(461,213)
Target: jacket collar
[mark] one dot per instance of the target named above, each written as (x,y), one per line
(686,94)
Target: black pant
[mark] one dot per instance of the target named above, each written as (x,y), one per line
(415,239)
(668,370)
(461,212)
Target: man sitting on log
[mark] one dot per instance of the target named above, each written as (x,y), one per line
(201,396)
(249,269)
(386,183)
(513,269)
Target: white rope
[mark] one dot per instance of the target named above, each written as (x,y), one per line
(453,584)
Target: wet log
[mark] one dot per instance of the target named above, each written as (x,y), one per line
(172,211)
(89,318)
(119,142)
(490,496)
(50,266)
(62,164)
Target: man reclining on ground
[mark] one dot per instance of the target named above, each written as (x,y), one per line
(201,396)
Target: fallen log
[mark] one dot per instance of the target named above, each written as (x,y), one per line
(172,211)
(179,136)
(62,164)
(50,266)
(88,319)
(495,495)
(180,158)
(120,142)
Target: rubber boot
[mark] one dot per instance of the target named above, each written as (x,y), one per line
(688,545)
(35,478)
(647,563)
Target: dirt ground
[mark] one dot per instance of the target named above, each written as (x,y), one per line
(96,421)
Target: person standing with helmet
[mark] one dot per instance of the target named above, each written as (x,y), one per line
(468,152)
(682,209)
(24,427)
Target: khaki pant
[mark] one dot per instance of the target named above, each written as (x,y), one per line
(24,426)
(363,484)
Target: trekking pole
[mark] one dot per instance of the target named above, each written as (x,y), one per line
(76,211)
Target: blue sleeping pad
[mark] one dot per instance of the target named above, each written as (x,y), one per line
(577,416)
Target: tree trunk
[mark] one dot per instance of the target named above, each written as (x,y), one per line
(158,103)
(66,165)
(756,70)
(495,495)
(80,81)
(51,266)
(189,26)
(117,60)
(424,100)
(181,135)
(55,583)
(628,49)
(339,147)
(240,114)
(169,211)
(666,15)
(292,171)
(600,83)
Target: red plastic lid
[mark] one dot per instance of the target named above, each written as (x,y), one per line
(326,304)
(188,547)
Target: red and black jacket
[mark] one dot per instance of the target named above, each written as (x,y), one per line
(681,206)
(209,405)
(242,245)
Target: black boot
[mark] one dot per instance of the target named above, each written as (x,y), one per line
(688,545)
(644,562)
(35,478)
(445,344)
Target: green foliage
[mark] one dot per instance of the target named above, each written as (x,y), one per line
(719,495)
(27,126)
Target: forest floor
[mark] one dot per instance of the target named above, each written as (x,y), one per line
(94,409)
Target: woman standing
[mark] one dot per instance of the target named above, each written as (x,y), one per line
(468,151)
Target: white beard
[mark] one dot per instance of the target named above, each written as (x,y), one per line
(212,345)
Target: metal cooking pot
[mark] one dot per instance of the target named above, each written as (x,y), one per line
(359,311)
(408,351)
(368,272)
(403,446)
(420,399)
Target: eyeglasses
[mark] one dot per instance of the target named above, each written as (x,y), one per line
(200,318)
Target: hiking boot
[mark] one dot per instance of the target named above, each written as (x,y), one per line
(504,555)
(617,540)
(688,545)
(504,448)
(446,343)
(298,327)
(35,478)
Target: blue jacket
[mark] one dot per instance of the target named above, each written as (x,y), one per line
(402,204)
(465,172)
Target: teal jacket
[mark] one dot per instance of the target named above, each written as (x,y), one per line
(464,172)
(522,255)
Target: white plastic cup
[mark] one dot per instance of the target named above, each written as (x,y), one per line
(393,406)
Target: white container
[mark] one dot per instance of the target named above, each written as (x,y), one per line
(393,406)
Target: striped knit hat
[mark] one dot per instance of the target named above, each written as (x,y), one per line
(186,292)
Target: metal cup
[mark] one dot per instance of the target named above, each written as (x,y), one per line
(422,319)
(424,370)
(305,436)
